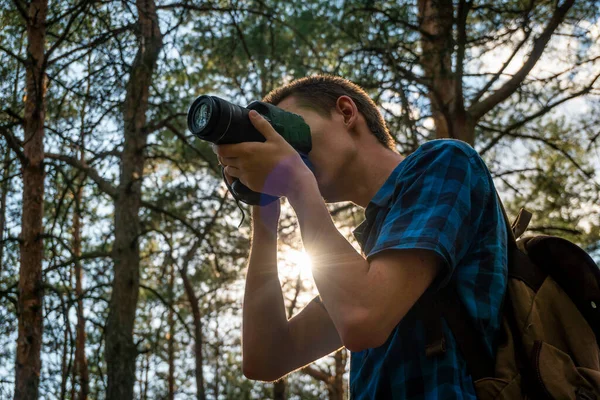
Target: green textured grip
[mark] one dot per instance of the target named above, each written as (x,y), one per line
(289,125)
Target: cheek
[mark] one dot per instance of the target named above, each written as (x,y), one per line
(326,153)
(317,161)
(324,160)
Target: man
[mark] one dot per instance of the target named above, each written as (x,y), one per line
(432,219)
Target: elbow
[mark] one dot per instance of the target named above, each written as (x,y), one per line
(360,342)
(260,376)
(364,333)
(251,373)
(257,372)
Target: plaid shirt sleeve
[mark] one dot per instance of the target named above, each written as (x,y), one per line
(437,206)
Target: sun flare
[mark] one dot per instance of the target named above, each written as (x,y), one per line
(293,262)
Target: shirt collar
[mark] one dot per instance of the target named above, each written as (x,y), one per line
(384,194)
(380,200)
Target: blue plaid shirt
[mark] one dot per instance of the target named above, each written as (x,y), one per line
(440,198)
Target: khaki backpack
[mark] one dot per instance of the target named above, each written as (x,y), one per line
(548,345)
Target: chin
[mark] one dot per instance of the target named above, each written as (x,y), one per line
(329,197)
(328,191)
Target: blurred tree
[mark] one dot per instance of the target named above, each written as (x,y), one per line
(120,348)
(488,73)
(517,79)
(29,342)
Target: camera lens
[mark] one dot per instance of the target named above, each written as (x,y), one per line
(202,116)
(218,121)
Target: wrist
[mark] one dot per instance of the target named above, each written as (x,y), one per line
(266,217)
(306,187)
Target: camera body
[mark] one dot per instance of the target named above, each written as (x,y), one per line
(218,121)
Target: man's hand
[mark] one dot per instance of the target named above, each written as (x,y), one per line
(273,167)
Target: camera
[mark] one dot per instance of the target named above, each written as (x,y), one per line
(218,121)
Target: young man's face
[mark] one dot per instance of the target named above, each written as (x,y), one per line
(332,147)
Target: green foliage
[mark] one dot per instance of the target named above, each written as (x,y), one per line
(542,152)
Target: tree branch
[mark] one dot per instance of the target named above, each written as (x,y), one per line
(160,210)
(101,39)
(463,11)
(553,228)
(399,21)
(22,11)
(555,147)
(170,306)
(480,108)
(317,374)
(102,183)
(549,107)
(158,125)
(544,110)
(81,6)
(499,73)
(515,171)
(106,187)
(85,256)
(181,137)
(15,144)
(13,55)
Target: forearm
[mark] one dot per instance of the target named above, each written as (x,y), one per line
(264,327)
(340,272)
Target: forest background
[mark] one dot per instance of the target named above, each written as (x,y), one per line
(121,262)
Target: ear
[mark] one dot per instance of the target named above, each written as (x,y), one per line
(347,108)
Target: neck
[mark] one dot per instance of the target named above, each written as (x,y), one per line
(371,168)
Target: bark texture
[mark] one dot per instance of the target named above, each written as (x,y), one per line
(80,368)
(6,165)
(440,44)
(445,84)
(29,341)
(195,305)
(335,382)
(280,389)
(198,337)
(120,349)
(171,324)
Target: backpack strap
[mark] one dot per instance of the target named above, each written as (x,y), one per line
(521,222)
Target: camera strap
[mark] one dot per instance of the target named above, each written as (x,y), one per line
(235,198)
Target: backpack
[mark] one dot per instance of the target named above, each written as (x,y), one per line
(548,344)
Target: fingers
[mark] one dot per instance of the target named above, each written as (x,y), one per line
(228,177)
(232,161)
(232,171)
(234,150)
(263,126)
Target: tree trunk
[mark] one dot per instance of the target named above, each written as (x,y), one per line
(81,367)
(197,317)
(7,164)
(64,367)
(147,370)
(335,382)
(3,194)
(171,323)
(280,390)
(337,386)
(29,341)
(280,386)
(445,93)
(194,305)
(120,349)
(217,353)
